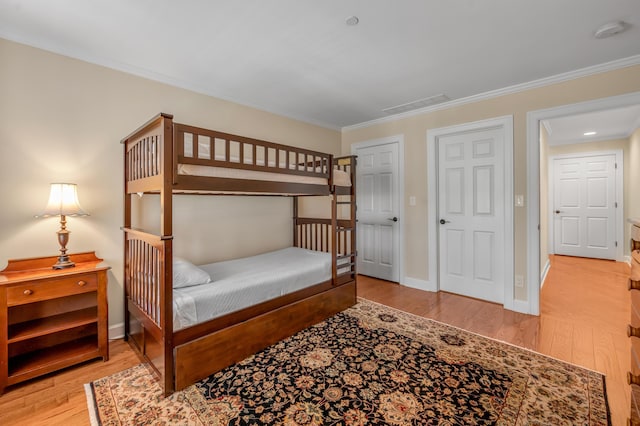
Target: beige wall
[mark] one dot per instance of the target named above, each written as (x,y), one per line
(415,128)
(632,203)
(544,196)
(62,120)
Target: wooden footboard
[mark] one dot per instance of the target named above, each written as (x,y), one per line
(148,300)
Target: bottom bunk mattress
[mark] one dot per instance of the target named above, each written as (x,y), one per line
(240,283)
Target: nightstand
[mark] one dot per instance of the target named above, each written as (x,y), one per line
(51,318)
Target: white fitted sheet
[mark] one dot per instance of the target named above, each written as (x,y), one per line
(240,283)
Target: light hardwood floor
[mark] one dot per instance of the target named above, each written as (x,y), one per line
(584,312)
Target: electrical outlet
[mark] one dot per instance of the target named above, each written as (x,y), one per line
(519,281)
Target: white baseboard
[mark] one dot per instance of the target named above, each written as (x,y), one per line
(521,306)
(419,284)
(545,271)
(517,305)
(116,331)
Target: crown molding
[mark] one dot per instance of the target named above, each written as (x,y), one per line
(558,78)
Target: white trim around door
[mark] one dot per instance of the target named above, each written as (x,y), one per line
(506,124)
(399,140)
(533,179)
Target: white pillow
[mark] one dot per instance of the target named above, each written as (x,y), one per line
(186,274)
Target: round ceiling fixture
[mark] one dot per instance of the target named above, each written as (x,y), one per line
(610,29)
(352,20)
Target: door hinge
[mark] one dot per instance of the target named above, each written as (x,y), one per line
(615,165)
(616,204)
(616,244)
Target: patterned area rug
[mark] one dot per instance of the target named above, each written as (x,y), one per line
(370,364)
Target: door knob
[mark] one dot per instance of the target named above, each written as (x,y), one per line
(442,221)
(395,219)
(558,212)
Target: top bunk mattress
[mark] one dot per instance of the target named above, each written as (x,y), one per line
(240,283)
(340,177)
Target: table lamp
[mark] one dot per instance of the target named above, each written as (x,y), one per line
(63,201)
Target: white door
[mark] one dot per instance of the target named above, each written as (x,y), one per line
(584,206)
(377,198)
(471,213)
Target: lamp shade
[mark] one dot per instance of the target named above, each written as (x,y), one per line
(63,200)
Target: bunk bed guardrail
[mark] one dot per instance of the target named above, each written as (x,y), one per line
(217,149)
(147,146)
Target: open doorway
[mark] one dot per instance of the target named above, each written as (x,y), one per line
(540,209)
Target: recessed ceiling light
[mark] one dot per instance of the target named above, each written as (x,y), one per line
(352,20)
(589,133)
(610,29)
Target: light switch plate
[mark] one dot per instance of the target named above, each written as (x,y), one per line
(412,200)
(519,200)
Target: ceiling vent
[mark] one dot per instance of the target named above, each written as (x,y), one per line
(421,103)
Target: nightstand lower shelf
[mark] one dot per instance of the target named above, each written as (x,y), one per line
(53,324)
(47,360)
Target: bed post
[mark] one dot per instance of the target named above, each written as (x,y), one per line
(127,224)
(354,207)
(295,221)
(334,227)
(166,232)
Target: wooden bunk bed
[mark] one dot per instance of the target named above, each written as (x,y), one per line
(167,158)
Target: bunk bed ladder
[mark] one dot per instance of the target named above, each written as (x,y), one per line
(335,235)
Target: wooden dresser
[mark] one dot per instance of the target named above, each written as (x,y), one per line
(51,318)
(633,330)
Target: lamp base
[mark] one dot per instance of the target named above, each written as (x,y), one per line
(63,262)
(63,238)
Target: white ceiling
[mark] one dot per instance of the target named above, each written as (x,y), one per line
(610,124)
(299,58)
